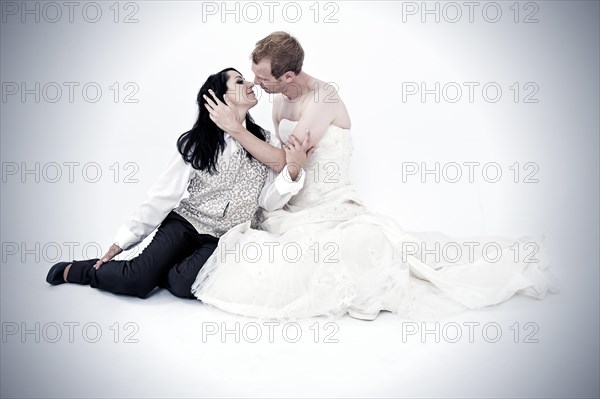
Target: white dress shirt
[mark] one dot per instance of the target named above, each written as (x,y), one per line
(172,185)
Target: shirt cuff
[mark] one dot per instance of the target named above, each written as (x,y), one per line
(284,183)
(125,239)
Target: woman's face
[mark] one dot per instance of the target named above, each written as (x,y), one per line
(239,91)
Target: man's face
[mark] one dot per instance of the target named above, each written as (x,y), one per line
(263,77)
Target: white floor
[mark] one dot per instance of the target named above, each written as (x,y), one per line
(89,343)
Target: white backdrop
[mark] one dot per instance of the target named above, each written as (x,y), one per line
(382,66)
(511,85)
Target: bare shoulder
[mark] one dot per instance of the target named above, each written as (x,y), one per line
(328,103)
(327,90)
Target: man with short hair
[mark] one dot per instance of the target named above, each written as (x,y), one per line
(277,65)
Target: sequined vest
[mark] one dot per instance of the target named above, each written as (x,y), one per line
(224,199)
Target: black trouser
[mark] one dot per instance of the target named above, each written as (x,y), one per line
(172,260)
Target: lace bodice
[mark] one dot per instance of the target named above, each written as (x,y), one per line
(327,169)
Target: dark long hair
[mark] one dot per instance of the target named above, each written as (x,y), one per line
(202,145)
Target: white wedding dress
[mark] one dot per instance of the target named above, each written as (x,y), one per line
(325,254)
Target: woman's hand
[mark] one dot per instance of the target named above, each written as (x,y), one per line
(222,114)
(296,154)
(113,251)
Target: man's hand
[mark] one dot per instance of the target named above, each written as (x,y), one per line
(296,154)
(113,251)
(222,114)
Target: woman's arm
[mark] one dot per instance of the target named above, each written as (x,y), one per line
(266,153)
(162,197)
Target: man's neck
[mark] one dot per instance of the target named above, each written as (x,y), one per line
(298,87)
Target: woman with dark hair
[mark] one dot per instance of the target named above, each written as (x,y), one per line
(226,186)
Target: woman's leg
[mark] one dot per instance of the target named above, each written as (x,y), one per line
(180,277)
(175,240)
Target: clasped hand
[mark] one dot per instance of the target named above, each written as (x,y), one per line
(296,153)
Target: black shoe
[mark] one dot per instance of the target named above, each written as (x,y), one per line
(55,275)
(78,273)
